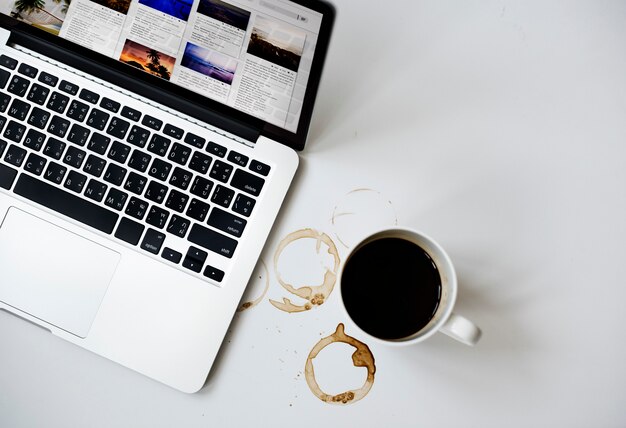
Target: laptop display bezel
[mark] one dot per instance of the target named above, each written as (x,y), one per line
(161,91)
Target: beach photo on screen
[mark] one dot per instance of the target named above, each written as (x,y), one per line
(47,15)
(225,12)
(277,42)
(120,6)
(209,63)
(147,59)
(177,8)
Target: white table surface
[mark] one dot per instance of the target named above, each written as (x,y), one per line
(497,127)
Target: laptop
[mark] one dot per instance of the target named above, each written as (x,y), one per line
(146,147)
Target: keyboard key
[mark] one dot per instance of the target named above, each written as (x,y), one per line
(194,259)
(237,158)
(201,187)
(212,241)
(5,99)
(74,157)
(4,78)
(171,255)
(135,183)
(221,171)
(130,113)
(198,210)
(78,135)
(54,148)
(38,94)
(48,79)
(179,154)
(138,136)
(38,118)
(8,62)
(114,174)
(159,145)
(157,217)
(27,70)
(136,208)
(247,182)
(156,192)
(180,178)
(68,87)
(129,231)
(216,149)
(153,241)
(55,173)
(58,126)
(15,155)
(160,169)
(89,96)
(18,86)
(3,145)
(243,205)
(116,199)
(35,164)
(226,222)
(3,121)
(7,176)
(259,168)
(19,109)
(118,127)
(98,143)
(213,273)
(119,152)
(139,161)
(94,165)
(173,131)
(177,201)
(98,119)
(34,140)
(58,102)
(75,182)
(152,122)
(110,105)
(65,203)
(194,140)
(77,111)
(14,131)
(178,226)
(222,196)
(95,190)
(200,162)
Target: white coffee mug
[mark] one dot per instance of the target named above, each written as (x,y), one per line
(444,319)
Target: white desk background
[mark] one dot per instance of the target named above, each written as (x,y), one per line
(497,127)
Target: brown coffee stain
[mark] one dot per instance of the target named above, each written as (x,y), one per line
(251,303)
(314,295)
(362,357)
(348,210)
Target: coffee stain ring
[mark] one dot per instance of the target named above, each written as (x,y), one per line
(315,295)
(362,357)
(252,303)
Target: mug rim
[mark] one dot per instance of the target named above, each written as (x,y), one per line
(442,260)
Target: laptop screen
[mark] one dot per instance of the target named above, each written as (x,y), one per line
(255,56)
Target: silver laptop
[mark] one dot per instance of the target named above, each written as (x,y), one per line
(146,147)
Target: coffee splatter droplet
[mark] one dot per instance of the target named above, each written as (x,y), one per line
(362,357)
(314,295)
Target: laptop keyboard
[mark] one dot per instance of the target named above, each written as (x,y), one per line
(127,174)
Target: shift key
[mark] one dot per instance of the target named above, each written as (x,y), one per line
(212,241)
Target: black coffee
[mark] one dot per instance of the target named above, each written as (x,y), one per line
(391,288)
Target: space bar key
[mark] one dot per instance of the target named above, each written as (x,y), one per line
(65,203)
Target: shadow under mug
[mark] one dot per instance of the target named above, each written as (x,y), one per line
(444,319)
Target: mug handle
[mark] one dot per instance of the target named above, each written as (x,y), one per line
(461,329)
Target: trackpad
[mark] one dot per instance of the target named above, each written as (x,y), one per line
(51,273)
